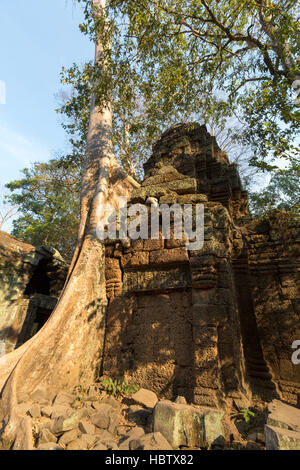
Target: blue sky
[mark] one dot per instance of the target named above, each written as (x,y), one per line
(37,38)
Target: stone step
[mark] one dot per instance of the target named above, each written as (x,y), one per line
(262,383)
(261,374)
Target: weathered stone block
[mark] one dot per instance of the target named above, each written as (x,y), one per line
(281,439)
(67,423)
(158,278)
(153,441)
(46,436)
(141,258)
(174,255)
(145,398)
(283,416)
(184,425)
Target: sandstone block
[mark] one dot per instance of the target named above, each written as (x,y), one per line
(46,436)
(59,410)
(134,434)
(283,416)
(101,419)
(47,411)
(183,186)
(67,423)
(184,425)
(49,446)
(87,428)
(68,436)
(152,441)
(281,438)
(35,411)
(78,444)
(63,399)
(192,199)
(145,398)
(173,255)
(131,260)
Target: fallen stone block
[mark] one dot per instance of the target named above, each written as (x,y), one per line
(103,434)
(152,441)
(49,446)
(281,438)
(110,444)
(139,415)
(283,416)
(112,402)
(184,425)
(47,411)
(78,444)
(46,436)
(90,439)
(101,419)
(134,434)
(99,446)
(63,399)
(87,428)
(68,436)
(60,410)
(35,411)
(67,423)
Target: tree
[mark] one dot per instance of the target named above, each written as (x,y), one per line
(7,210)
(147,56)
(236,58)
(173,59)
(282,193)
(47,198)
(67,349)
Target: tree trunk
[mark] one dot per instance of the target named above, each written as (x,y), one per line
(67,350)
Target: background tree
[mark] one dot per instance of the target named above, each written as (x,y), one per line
(67,350)
(145,54)
(7,210)
(48,202)
(178,61)
(235,58)
(282,193)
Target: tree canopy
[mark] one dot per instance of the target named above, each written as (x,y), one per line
(48,201)
(173,58)
(172,61)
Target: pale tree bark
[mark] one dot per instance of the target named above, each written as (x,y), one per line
(7,212)
(67,350)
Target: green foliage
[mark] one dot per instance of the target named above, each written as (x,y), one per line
(48,204)
(170,59)
(282,193)
(247,415)
(166,62)
(118,387)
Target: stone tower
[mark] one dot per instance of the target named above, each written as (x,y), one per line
(213,324)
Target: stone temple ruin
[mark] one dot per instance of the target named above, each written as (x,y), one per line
(31,279)
(213,325)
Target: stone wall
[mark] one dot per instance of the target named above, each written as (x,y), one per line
(214,324)
(274,267)
(31,279)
